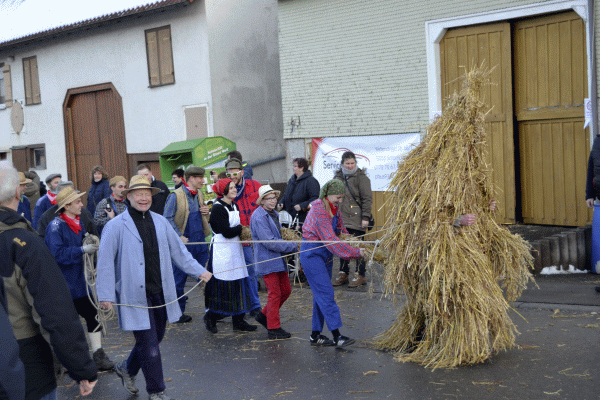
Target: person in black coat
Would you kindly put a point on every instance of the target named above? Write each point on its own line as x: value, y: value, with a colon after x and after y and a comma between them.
x: 302, y: 189
x: 99, y: 190
x: 160, y: 199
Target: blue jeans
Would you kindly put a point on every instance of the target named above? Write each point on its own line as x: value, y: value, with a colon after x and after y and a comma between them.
x: 249, y: 259
x: 50, y: 396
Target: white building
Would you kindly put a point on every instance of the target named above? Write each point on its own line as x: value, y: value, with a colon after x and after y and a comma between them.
x: 116, y: 82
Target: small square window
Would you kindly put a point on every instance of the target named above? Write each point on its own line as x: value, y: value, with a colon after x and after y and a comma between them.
x: 38, y: 158
x: 3, y: 155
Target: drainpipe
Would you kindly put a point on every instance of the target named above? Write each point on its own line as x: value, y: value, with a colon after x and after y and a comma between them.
x: 594, y: 79
x: 268, y: 160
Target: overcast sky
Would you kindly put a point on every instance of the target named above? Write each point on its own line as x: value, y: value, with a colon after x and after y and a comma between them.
x: 23, y: 17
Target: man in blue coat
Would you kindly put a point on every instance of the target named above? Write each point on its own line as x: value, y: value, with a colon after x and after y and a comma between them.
x: 24, y: 207
x: 48, y: 200
x: 137, y: 250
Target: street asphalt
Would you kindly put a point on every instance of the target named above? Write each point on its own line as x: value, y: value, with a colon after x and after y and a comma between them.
x: 557, y: 354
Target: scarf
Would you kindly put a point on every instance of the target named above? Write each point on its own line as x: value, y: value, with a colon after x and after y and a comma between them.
x: 348, y: 172
x: 74, y: 224
x: 192, y: 192
x: 334, y: 186
x: 330, y: 207
x: 51, y: 197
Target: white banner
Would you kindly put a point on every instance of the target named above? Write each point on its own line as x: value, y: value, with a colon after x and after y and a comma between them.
x: 378, y: 154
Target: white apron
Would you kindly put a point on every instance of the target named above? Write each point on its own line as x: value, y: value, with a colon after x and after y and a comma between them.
x: 228, y: 257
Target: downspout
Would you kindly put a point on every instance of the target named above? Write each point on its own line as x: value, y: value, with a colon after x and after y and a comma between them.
x: 594, y: 79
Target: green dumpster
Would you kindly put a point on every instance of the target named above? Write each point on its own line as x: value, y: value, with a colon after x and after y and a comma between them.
x: 209, y: 153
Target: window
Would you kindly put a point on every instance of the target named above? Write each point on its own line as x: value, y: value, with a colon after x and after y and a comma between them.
x: 160, y: 56
x: 32, y: 81
x: 5, y: 87
x: 28, y: 157
x: 3, y: 155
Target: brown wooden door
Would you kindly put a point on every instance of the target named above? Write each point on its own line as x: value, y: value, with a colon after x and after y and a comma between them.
x: 550, y: 87
x: 488, y: 45
x: 95, y: 133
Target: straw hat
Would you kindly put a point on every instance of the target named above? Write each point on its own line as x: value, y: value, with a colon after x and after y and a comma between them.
x: 23, y: 179
x: 265, y: 190
x: 140, y: 182
x: 67, y: 196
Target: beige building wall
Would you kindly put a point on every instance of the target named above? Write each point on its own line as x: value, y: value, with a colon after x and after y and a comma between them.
x: 359, y: 67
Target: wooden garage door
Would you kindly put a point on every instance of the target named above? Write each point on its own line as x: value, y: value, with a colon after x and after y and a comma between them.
x: 487, y: 45
x: 95, y: 133
x: 550, y: 87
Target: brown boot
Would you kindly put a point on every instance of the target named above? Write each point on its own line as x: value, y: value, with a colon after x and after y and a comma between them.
x: 341, y: 279
x: 357, y: 281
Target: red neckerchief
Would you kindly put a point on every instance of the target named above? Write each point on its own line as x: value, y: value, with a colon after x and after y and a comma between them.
x: 334, y: 209
x: 74, y: 224
x: 52, y: 198
x: 117, y: 200
x: 192, y: 192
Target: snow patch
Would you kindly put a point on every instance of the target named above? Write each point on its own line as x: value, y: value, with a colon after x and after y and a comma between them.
x: 554, y: 270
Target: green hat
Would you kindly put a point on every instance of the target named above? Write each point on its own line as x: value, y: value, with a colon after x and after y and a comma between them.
x: 334, y: 186
x: 192, y: 170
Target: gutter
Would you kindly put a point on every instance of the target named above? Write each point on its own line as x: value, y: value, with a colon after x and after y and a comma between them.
x: 594, y: 78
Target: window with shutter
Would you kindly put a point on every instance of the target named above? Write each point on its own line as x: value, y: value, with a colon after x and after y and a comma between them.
x: 31, y: 80
x: 6, y: 87
x: 159, y: 52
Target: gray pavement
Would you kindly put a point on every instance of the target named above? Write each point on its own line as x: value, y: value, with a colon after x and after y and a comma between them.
x: 557, y: 354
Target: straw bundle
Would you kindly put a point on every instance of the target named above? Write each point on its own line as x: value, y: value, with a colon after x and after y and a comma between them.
x: 380, y: 255
x: 246, y: 233
x: 453, y: 278
x: 291, y: 234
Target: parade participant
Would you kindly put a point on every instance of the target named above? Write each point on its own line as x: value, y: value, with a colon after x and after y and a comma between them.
x: 592, y: 191
x: 248, y: 172
x: 323, y: 222
x: 26, y: 267
x: 12, y: 372
x: 301, y: 190
x: 160, y: 198
x: 177, y: 177
x: 228, y: 294
x: 264, y: 225
x: 188, y: 215
x: 247, y: 193
x: 356, y: 211
x: 24, y: 207
x: 48, y: 200
x: 137, y: 250
x: 64, y: 238
x: 32, y: 190
x: 87, y: 219
x: 99, y: 190
x: 113, y: 205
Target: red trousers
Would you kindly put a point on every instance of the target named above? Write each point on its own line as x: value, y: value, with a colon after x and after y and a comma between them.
x: 278, y: 290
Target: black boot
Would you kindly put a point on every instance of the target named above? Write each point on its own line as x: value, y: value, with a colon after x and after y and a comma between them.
x: 211, y: 324
x: 240, y: 325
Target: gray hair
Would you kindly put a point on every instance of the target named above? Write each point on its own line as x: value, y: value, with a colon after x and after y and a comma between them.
x: 9, y: 182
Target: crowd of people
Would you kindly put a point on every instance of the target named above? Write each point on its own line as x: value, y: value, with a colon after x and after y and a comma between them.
x: 150, y: 241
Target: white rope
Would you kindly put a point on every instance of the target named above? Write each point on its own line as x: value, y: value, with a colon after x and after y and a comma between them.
x: 89, y: 271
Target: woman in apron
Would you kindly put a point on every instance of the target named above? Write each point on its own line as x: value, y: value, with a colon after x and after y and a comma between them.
x: 323, y: 223
x: 228, y: 294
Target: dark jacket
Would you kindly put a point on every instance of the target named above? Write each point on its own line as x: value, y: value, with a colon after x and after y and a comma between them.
x: 98, y: 191
x: 12, y: 372
x: 41, y: 206
x: 66, y: 247
x: 25, y: 208
x: 159, y: 199
x: 302, y: 191
x: 36, y: 291
x: 87, y: 221
x: 32, y: 190
x: 356, y: 206
x: 591, y: 190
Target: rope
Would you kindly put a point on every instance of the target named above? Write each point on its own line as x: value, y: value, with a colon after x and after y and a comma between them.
x: 89, y: 271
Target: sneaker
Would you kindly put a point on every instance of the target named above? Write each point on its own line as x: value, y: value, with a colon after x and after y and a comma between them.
x: 261, y: 319
x: 321, y: 340
x: 358, y: 280
x: 279, y: 334
x: 343, y: 341
x: 243, y: 326
x: 211, y: 325
x: 184, y: 319
x: 103, y: 363
x: 160, y: 396
x: 127, y: 379
x: 341, y: 279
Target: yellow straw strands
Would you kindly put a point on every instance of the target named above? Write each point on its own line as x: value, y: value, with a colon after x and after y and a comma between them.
x: 453, y: 277
x: 380, y: 255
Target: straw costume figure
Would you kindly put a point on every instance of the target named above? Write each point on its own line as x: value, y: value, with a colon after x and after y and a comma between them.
x: 453, y: 277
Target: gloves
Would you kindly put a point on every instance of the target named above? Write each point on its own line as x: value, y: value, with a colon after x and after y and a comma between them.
x: 90, y: 248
